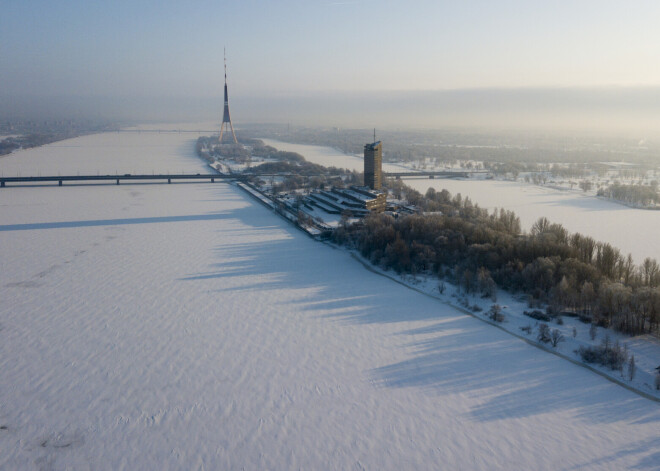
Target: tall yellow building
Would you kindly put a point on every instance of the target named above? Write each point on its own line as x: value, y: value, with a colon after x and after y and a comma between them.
x: 373, y: 165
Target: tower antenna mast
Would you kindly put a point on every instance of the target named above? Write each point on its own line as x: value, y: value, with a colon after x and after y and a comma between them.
x: 226, y: 118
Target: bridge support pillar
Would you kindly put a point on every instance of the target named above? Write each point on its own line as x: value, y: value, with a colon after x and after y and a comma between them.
x: 212, y: 181
x: 59, y: 183
x: 169, y: 180
x: 2, y: 184
x: 118, y: 181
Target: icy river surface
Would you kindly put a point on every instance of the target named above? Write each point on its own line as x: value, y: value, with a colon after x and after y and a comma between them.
x: 186, y: 326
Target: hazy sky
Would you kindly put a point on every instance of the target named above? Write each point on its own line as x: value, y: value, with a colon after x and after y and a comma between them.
x: 282, y: 48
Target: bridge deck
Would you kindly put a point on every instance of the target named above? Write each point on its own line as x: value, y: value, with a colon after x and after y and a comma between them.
x: 212, y: 177
x: 162, y: 178
x: 173, y: 131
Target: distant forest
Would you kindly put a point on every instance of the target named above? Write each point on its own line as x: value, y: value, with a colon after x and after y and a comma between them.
x: 637, y: 195
x: 27, y: 134
x: 571, y: 274
x: 450, y: 145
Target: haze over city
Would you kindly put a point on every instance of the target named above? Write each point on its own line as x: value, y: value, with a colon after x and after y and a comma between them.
x: 570, y: 65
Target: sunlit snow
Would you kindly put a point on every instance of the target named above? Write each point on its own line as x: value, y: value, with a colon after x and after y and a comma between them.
x: 185, y: 326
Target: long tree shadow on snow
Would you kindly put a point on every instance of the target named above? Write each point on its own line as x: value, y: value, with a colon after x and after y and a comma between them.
x: 260, y: 251
x: 515, y: 379
x: 285, y: 264
x: 510, y: 379
x: 647, y: 462
x: 273, y: 255
x: 114, y: 222
x: 452, y: 354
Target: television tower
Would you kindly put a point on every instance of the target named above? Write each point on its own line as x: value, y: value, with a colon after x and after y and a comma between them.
x: 226, y: 119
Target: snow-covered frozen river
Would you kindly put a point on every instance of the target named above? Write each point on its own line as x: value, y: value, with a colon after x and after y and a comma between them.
x: 633, y: 231
x: 328, y: 156
x: 185, y: 326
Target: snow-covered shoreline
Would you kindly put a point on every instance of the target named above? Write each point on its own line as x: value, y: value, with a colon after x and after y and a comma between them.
x: 191, y: 327
x: 646, y: 348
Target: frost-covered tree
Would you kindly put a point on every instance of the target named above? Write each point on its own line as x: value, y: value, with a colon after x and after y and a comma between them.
x: 487, y: 286
x: 495, y: 313
x: 543, y: 333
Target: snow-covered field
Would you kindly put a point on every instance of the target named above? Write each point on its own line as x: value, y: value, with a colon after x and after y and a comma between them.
x: 185, y: 326
x: 631, y: 230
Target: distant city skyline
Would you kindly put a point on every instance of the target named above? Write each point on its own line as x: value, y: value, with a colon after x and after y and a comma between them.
x: 171, y: 51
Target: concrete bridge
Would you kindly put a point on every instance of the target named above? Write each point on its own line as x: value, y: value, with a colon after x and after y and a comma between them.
x: 156, y: 178
x: 211, y: 177
x: 439, y: 174
x: 171, y: 131
x: 397, y: 175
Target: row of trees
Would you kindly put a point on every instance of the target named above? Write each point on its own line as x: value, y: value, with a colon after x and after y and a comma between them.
x: 10, y: 144
x: 479, y: 251
x: 642, y: 195
x: 569, y: 171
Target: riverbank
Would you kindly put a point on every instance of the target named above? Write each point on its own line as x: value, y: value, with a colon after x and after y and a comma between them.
x: 190, y: 324
x: 572, y: 334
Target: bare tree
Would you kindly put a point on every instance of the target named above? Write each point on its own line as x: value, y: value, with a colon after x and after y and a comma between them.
x: 556, y: 337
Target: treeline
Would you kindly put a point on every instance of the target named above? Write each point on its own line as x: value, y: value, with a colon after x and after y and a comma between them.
x: 569, y: 171
x: 299, y: 168
x: 11, y: 144
x: 307, y: 175
x: 571, y: 273
x: 259, y: 149
x: 301, y: 173
x: 209, y: 148
x: 512, y: 168
x: 451, y: 145
x: 30, y: 133
x: 244, y: 151
x: 641, y: 195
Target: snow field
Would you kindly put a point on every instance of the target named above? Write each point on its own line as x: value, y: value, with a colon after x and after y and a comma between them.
x: 185, y: 326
